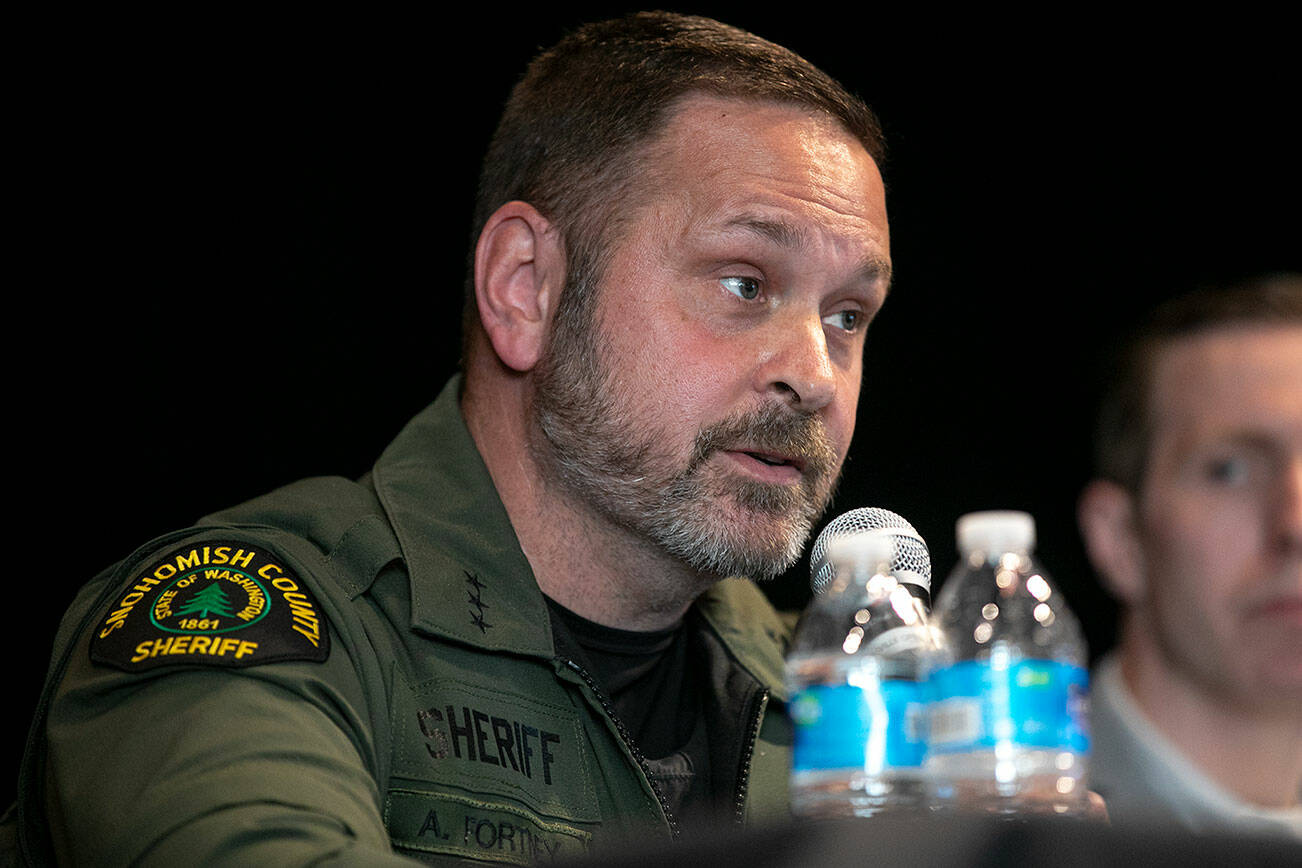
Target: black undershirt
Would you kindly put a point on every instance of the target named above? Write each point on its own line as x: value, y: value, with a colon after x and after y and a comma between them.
x: 656, y: 694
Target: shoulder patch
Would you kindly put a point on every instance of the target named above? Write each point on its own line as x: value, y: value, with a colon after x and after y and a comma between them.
x: 214, y: 603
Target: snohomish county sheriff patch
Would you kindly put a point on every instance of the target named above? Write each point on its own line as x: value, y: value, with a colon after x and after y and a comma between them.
x: 213, y: 603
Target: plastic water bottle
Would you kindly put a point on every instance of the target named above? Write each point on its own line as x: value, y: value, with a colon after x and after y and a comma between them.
x: 1010, y: 690
x: 855, y: 674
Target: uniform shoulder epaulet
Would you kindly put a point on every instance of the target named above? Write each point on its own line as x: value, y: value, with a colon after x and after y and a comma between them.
x: 342, y: 520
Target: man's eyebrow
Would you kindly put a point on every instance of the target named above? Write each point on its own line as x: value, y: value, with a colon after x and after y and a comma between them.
x: 877, y: 269
x: 780, y: 232
x: 874, y: 268
x: 1246, y: 438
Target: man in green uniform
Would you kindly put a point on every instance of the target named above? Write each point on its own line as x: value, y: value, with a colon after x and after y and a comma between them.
x: 516, y: 639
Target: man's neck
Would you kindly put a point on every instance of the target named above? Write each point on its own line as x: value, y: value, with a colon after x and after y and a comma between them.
x: 583, y: 561
x: 598, y: 570
x: 1252, y: 752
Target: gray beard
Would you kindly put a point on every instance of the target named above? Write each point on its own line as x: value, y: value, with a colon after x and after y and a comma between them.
x: 595, y: 449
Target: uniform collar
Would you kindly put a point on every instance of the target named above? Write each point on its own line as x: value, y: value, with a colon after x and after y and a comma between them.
x: 470, y: 582
x: 749, y: 627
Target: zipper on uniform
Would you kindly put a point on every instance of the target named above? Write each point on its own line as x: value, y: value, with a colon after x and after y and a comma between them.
x: 748, y: 755
x: 609, y: 708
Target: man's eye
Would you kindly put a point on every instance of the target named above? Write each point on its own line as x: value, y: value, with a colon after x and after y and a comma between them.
x: 846, y: 320
x: 742, y: 287
x: 1229, y: 470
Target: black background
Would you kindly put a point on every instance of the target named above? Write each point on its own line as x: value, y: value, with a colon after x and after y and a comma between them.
x: 241, y: 247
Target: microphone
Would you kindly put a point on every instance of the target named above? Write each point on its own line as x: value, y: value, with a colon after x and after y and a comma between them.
x: 912, y: 561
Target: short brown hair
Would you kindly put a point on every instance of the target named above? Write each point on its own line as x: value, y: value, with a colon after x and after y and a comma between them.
x: 568, y: 139
x: 1123, y: 427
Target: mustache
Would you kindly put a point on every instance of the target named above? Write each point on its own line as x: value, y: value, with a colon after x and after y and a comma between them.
x: 773, y: 428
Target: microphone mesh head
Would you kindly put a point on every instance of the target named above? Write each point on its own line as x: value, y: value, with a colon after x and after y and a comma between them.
x: 911, y: 555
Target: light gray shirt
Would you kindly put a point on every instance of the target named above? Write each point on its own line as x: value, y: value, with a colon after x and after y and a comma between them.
x: 1147, y: 781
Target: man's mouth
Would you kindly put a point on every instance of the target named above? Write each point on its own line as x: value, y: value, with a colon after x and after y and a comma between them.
x: 1283, y: 607
x: 773, y: 446
x: 775, y: 460
x: 773, y: 467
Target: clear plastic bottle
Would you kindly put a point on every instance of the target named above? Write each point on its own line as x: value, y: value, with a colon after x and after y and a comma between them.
x: 855, y: 674
x: 1010, y: 691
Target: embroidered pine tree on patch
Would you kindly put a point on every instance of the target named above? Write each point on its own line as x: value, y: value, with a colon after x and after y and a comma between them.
x: 211, y: 599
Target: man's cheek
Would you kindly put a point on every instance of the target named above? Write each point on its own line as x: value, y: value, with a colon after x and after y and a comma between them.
x: 842, y: 443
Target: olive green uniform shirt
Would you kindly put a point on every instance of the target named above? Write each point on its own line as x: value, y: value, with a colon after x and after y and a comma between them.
x: 392, y: 688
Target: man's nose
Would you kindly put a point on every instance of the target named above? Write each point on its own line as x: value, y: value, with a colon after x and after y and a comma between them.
x: 799, y: 366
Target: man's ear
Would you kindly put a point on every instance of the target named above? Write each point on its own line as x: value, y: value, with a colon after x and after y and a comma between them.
x: 519, y: 274
x: 1108, y: 516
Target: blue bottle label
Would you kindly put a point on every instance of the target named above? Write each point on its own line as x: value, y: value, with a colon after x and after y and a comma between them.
x: 872, y: 727
x: 1030, y: 703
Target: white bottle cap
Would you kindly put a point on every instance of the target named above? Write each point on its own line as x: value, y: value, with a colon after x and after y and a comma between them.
x: 863, y: 551
x: 996, y: 531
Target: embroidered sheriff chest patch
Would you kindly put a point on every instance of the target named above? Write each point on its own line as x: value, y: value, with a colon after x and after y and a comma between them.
x: 213, y: 603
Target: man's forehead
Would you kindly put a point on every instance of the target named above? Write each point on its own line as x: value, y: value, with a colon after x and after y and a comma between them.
x: 776, y: 169
x: 699, y: 122
x: 1221, y: 356
x: 703, y: 103
x: 1237, y: 376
